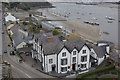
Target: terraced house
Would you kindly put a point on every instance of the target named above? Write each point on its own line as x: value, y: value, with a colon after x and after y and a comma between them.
x: 65, y: 56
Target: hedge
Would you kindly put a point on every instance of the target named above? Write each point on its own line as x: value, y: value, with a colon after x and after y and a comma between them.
x: 95, y: 72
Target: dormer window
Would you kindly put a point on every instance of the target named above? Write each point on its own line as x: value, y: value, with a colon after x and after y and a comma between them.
x: 84, y: 51
x: 63, y: 54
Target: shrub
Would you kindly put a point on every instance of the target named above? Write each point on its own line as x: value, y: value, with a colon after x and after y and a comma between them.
x: 30, y: 27
x: 55, y: 32
x: 96, y: 71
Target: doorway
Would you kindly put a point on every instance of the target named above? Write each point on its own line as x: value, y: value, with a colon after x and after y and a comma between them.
x: 73, y: 67
x: 53, y: 68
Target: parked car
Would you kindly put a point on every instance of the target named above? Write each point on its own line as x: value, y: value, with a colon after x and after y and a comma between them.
x: 2, y: 32
x: 5, y: 51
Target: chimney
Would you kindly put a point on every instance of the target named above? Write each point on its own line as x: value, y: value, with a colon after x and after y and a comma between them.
x: 49, y: 38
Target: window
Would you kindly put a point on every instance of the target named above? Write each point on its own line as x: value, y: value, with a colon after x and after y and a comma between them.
x: 84, y: 51
x: 83, y: 65
x: 74, y: 52
x: 68, y: 67
x: 74, y: 59
x: 50, y: 61
x: 84, y: 58
x: 63, y: 54
x: 63, y: 61
x: 63, y: 69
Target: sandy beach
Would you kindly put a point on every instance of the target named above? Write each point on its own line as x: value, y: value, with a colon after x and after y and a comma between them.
x: 88, y: 32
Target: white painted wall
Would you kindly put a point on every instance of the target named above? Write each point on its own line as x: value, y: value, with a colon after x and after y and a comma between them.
x: 86, y: 54
x: 60, y: 57
x: 100, y: 60
x: 101, y: 44
x: 76, y: 59
x: 108, y: 49
x: 49, y: 66
x: 93, y: 54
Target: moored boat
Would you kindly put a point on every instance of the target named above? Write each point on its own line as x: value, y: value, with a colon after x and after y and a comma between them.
x: 96, y: 23
x: 110, y: 21
x: 78, y: 18
x: 106, y: 32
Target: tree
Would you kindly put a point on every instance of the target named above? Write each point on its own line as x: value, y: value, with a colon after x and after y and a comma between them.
x: 55, y: 32
x: 30, y: 27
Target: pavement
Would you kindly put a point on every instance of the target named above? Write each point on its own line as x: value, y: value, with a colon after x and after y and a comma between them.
x: 0, y: 44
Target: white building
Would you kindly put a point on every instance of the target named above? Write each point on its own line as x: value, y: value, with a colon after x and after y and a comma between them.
x: 10, y: 17
x: 62, y: 57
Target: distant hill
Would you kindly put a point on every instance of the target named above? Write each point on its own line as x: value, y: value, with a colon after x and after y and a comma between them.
x: 27, y: 5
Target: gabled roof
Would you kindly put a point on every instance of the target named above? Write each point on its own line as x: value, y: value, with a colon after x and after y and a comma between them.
x: 56, y: 47
x: 76, y: 43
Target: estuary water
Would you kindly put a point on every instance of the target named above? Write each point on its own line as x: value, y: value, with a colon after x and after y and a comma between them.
x: 92, y: 13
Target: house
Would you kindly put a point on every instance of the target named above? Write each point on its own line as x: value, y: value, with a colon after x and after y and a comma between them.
x: 65, y: 56
x: 19, y: 39
x: 106, y: 45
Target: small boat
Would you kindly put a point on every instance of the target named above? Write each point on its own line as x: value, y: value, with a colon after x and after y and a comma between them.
x: 96, y: 23
x: 86, y: 22
x: 94, y: 18
x: 110, y: 18
x: 110, y: 21
x: 106, y: 17
x: 106, y: 33
x: 92, y: 23
x: 78, y: 18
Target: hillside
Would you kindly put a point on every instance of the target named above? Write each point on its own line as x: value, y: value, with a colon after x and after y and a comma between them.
x: 27, y: 5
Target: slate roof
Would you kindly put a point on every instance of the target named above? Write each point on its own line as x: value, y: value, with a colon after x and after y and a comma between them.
x: 52, y: 48
x: 104, y: 49
x: 42, y: 38
x: 76, y: 43
x: 55, y: 47
x: 18, y: 36
x: 99, y: 51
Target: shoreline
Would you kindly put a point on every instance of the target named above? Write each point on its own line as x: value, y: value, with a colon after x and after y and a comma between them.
x: 88, y: 32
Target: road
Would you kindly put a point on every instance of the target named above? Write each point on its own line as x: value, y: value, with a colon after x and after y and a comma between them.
x: 19, y: 70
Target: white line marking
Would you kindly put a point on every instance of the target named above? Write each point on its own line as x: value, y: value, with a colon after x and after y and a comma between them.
x: 22, y: 71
